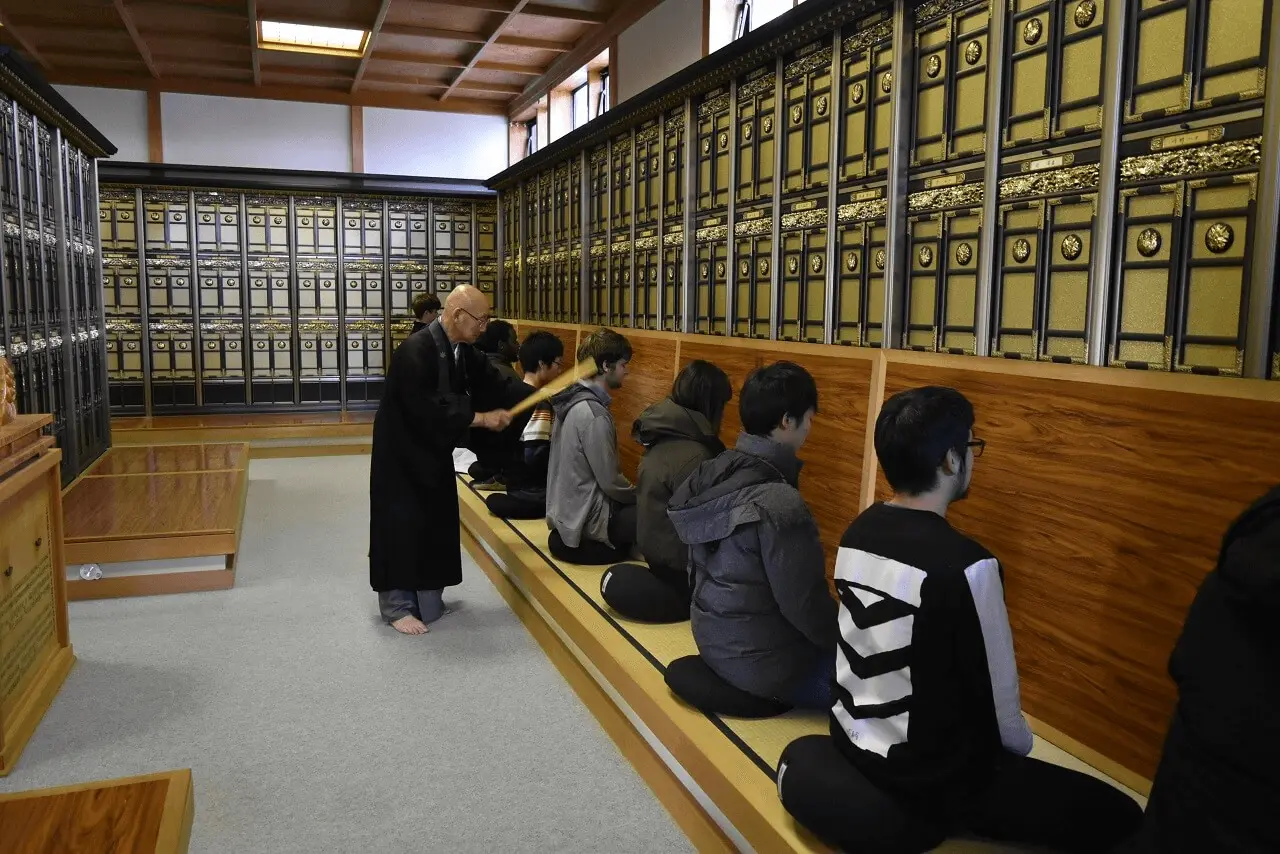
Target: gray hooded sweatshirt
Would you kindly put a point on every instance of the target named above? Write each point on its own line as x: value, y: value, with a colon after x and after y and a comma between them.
x: 762, y: 615
x: 584, y: 483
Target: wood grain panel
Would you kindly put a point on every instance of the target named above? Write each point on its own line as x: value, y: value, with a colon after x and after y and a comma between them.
x: 567, y: 335
x: 1106, y: 505
x: 832, y: 478
x: 648, y: 380
x: 142, y: 459
x: 153, y: 505
x: 135, y: 815
x: 737, y: 362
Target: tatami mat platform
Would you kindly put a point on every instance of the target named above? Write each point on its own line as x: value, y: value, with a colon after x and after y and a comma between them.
x: 729, y: 761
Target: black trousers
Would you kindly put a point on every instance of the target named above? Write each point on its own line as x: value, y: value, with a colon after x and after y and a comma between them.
x: 1026, y: 802
x: 654, y: 594
x: 622, y: 533
x: 509, y: 505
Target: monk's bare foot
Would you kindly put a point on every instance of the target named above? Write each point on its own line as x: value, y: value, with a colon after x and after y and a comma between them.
x: 410, y: 625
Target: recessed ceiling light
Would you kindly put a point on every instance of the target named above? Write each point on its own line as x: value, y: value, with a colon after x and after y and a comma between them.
x: 305, y: 38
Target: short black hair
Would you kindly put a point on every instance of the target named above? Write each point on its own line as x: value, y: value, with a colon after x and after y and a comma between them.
x: 773, y: 392
x: 423, y: 303
x: 540, y: 348
x: 704, y: 388
x: 497, y: 333
x: 914, y: 431
x: 606, y: 347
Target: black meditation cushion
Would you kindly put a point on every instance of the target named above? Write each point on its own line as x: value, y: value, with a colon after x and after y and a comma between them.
x: 691, y: 680
x: 590, y: 553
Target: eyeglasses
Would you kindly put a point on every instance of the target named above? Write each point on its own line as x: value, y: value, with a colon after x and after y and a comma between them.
x: 978, y: 445
x: 483, y: 321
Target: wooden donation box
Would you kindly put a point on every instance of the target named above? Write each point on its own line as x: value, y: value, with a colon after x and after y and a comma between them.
x: 35, y: 652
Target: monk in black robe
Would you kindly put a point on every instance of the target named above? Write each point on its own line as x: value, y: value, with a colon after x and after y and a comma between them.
x: 425, y: 412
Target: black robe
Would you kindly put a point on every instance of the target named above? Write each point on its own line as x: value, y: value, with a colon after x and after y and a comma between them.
x: 414, y: 542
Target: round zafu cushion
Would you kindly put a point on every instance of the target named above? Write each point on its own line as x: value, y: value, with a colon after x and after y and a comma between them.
x: 691, y: 680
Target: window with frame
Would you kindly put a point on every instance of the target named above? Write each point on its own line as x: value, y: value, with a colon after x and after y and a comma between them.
x: 581, y: 106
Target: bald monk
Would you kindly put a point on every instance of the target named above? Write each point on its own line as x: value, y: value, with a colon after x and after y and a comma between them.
x: 425, y: 412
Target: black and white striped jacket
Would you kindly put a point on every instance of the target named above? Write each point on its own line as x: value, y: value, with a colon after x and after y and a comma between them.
x: 926, y: 682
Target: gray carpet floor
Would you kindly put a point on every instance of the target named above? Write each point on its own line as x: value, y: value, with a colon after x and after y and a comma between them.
x: 311, y: 727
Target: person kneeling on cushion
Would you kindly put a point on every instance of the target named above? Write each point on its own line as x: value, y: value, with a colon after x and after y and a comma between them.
x: 761, y: 614
x: 679, y: 433
x: 542, y: 358
x: 591, y: 506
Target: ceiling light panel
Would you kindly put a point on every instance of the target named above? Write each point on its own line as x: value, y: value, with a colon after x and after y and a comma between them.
x: 277, y: 35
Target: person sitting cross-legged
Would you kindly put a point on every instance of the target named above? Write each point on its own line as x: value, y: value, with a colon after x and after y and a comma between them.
x: 928, y: 739
x: 678, y: 433
x: 542, y: 358
x: 591, y: 506
x: 761, y: 614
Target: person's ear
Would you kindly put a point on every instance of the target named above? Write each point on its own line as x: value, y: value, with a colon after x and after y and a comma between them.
x: 950, y: 463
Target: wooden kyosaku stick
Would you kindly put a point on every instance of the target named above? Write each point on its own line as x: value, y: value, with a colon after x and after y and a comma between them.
x: 585, y: 368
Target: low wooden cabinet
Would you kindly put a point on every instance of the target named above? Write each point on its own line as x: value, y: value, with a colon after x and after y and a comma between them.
x: 35, y: 650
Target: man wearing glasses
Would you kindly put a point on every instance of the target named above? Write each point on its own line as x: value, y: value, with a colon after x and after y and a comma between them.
x: 425, y: 412
x: 928, y: 739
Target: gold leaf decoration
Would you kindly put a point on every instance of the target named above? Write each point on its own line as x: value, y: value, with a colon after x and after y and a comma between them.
x: 1149, y: 242
x: 1219, y: 238
x: 1222, y: 157
x: 1071, y: 247
x: 1048, y: 183
x: 1021, y: 250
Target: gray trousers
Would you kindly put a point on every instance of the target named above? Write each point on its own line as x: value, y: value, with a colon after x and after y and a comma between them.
x: 426, y: 605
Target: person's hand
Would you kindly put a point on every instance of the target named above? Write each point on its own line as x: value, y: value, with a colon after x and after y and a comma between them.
x: 496, y: 420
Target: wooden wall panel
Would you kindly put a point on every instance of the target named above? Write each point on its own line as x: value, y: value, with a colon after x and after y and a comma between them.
x: 832, y: 477
x: 568, y: 336
x: 735, y: 361
x: 1106, y: 505
x: 648, y: 380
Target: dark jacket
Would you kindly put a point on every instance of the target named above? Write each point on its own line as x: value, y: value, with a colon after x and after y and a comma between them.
x: 1218, y: 785
x: 504, y: 367
x: 676, y: 441
x: 761, y: 612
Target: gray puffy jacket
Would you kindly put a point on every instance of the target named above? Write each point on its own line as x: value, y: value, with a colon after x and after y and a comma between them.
x: 761, y: 614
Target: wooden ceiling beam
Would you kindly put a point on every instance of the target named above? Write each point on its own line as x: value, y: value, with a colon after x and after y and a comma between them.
x: 237, y: 89
x: 493, y: 37
x: 254, y: 53
x: 127, y: 17
x: 540, y: 10
x: 560, y: 14
x: 369, y: 42
x: 432, y: 33
x: 22, y: 40
x: 472, y: 38
x: 538, y: 44
x: 187, y: 8
x: 587, y: 48
x: 453, y: 62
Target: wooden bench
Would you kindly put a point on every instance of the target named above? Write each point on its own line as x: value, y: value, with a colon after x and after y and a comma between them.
x: 151, y: 814
x: 715, y: 774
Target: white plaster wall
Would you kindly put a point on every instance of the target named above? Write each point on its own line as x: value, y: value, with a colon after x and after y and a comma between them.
x: 121, y: 115
x: 435, y: 145
x: 209, y: 130
x: 658, y: 45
